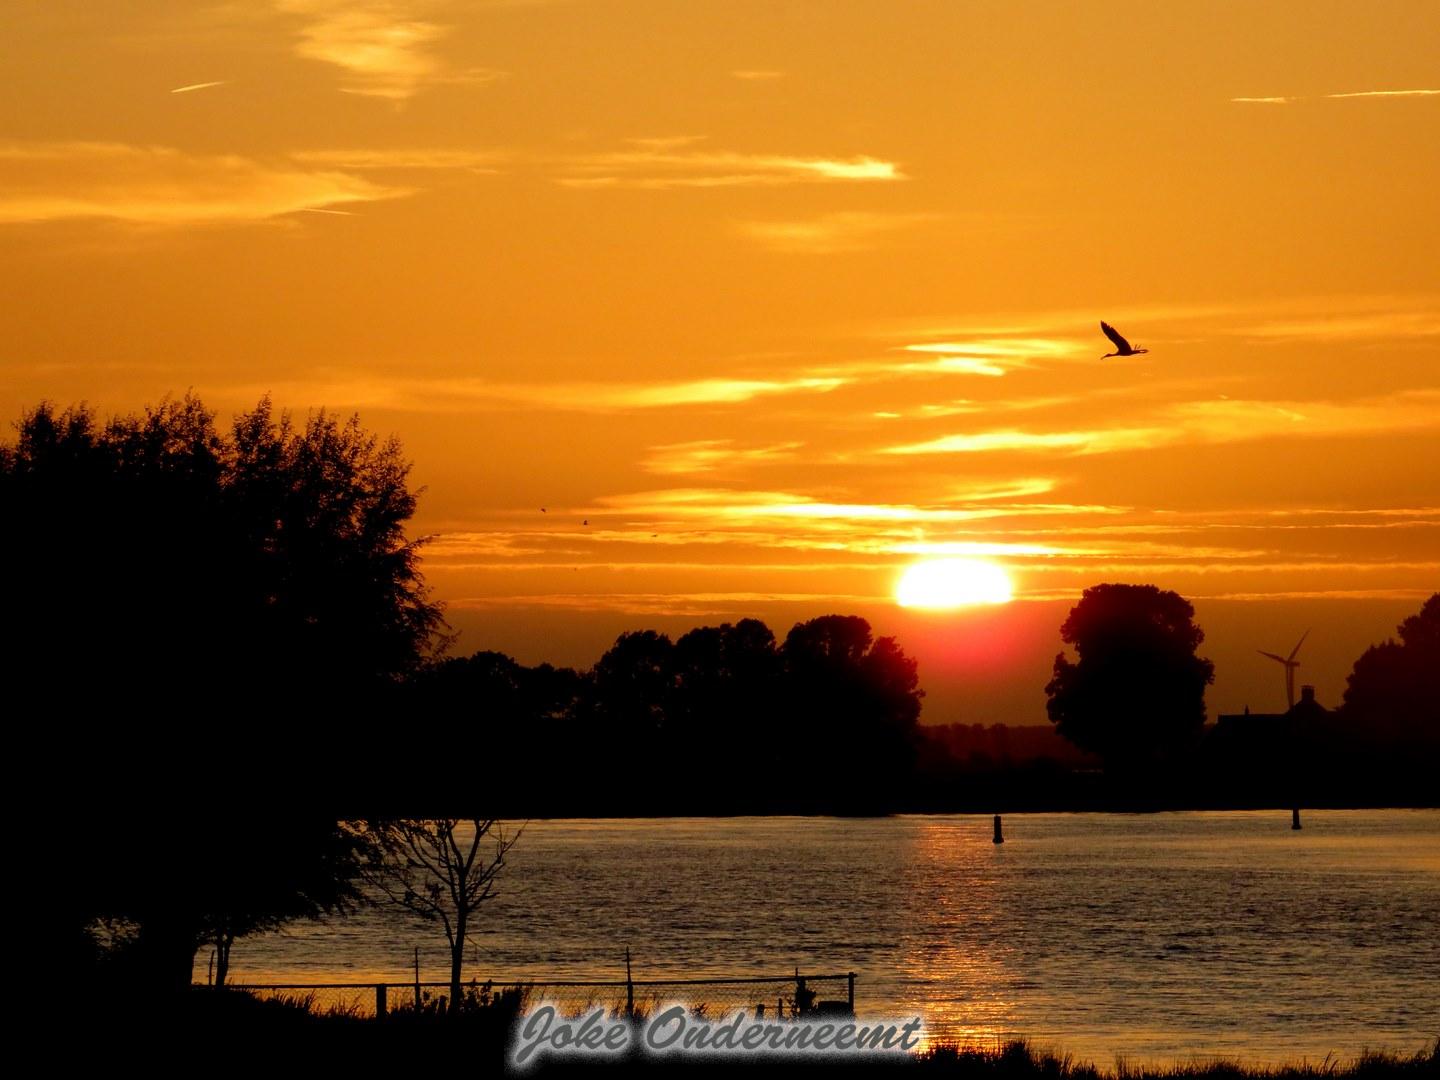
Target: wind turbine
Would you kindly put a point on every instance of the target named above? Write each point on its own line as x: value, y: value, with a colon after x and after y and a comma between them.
x: 1290, y: 665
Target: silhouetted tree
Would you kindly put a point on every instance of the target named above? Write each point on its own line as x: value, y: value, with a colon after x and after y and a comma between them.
x: 209, y: 616
x: 633, y: 688
x: 268, y: 564
x: 852, y: 703
x: 1137, y: 692
x: 725, y: 676
x: 1393, y: 693
x: 183, y: 881
x: 492, y: 708
x: 440, y: 871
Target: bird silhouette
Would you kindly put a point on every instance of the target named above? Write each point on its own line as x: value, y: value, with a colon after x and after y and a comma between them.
x: 1123, y: 347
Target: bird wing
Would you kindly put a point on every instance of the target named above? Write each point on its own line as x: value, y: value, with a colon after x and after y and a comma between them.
x: 1298, y: 644
x: 1114, y: 335
x: 1271, y: 655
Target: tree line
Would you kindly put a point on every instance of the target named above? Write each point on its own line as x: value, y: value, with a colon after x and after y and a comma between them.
x: 221, y: 653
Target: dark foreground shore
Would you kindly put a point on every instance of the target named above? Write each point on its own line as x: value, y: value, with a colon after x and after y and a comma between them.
x: 231, y: 1033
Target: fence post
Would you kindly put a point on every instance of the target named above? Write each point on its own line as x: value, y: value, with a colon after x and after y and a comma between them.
x: 417, y: 979
x: 629, y: 987
x: 380, y: 989
x: 850, y: 995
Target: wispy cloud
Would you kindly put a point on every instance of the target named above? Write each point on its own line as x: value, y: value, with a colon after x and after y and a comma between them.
x: 196, y: 86
x: 696, y: 605
x: 750, y: 508
x: 163, y: 186
x: 756, y: 75
x: 1014, y: 439
x: 402, y: 159
x: 1377, y: 326
x: 831, y: 233
x: 714, y: 456
x: 1386, y: 94
x: 657, y: 167
x: 1208, y: 422
x: 464, y: 394
x: 386, y: 47
x: 1335, y: 97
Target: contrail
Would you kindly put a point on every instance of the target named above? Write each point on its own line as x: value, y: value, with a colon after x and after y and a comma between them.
x: 318, y: 210
x: 196, y: 86
x: 1387, y: 93
x: 1354, y: 94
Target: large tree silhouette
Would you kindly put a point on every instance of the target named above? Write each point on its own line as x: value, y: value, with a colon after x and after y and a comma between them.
x: 1136, y: 694
x: 205, y: 623
x: 262, y: 569
x: 1393, y: 693
x: 852, y: 702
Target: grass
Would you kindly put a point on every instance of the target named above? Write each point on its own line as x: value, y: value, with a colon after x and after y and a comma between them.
x: 1019, y: 1059
x: 259, y: 1037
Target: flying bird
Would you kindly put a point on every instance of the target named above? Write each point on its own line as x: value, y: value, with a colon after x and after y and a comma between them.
x: 1124, y: 347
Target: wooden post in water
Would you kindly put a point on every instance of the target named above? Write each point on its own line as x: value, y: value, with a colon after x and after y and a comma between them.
x: 1295, y: 818
x: 417, y: 978
x: 999, y: 836
x: 850, y: 994
x: 629, y: 987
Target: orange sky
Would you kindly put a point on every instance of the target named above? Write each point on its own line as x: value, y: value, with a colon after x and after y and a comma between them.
x: 780, y: 297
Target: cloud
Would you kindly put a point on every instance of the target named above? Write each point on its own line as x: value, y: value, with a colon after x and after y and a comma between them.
x: 162, y: 186
x: 196, y: 86
x: 463, y: 394
x: 656, y: 167
x: 694, y: 604
x: 1012, y: 439
x: 1078, y: 325
x: 714, y: 456
x: 385, y: 46
x: 1209, y: 422
x: 830, y: 233
x: 364, y: 159
x: 1365, y: 326
x: 752, y: 75
x: 1336, y: 97
x: 747, y: 509
x: 1386, y: 94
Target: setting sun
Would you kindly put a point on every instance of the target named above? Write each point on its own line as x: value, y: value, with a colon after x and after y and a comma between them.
x: 950, y: 583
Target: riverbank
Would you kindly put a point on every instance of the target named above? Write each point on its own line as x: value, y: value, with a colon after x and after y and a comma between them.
x: 232, y: 1033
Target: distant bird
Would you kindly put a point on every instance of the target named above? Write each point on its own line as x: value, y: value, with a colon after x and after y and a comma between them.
x: 542, y: 509
x: 585, y: 522
x: 1290, y: 665
x: 1124, y: 347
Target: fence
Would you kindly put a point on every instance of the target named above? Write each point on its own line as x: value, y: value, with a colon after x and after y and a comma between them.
x: 780, y: 997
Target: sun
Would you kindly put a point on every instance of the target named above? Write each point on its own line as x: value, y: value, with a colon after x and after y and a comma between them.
x: 952, y: 583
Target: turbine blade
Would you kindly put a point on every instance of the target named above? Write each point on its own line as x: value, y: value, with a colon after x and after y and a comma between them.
x: 1271, y: 655
x: 1298, y: 644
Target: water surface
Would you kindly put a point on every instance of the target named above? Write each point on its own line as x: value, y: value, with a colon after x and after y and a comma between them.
x: 1153, y: 937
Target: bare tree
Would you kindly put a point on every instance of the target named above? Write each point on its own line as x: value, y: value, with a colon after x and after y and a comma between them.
x: 440, y: 870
